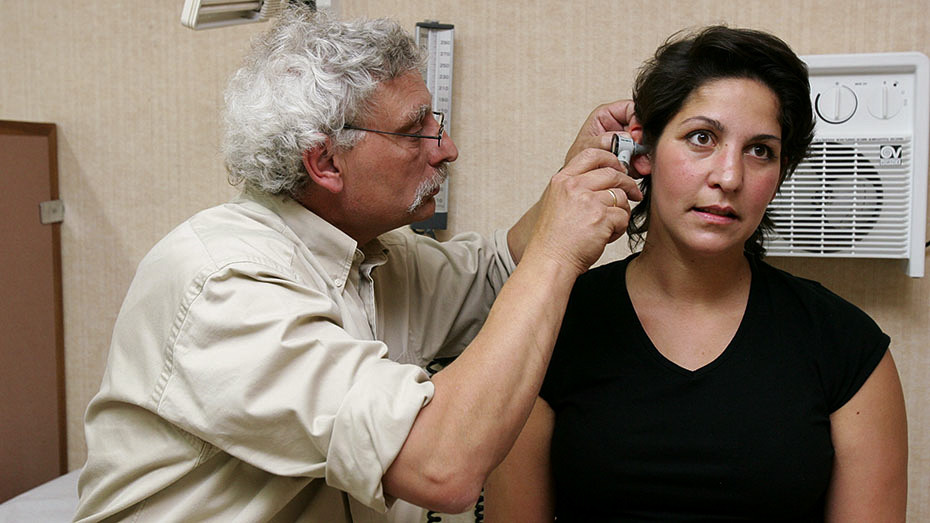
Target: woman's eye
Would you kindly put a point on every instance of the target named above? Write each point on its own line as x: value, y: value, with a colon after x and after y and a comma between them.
x: 762, y: 151
x: 702, y: 138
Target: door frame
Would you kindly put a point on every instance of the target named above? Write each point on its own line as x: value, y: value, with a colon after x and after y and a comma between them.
x: 49, y: 132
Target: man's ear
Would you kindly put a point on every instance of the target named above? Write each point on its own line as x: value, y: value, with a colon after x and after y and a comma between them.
x: 322, y: 168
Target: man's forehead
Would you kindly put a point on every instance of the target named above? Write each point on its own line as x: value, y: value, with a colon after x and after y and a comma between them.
x: 402, y: 99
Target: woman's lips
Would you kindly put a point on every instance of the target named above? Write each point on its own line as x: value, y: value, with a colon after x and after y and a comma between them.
x: 717, y: 213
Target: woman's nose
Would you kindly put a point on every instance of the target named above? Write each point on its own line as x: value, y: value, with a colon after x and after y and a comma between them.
x: 728, y: 171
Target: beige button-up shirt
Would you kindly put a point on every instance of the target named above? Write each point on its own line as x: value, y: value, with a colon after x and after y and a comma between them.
x: 264, y: 368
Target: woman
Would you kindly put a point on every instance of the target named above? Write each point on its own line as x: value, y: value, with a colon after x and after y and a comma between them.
x: 692, y: 380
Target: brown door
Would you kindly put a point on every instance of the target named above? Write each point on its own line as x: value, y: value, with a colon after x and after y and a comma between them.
x: 32, y: 415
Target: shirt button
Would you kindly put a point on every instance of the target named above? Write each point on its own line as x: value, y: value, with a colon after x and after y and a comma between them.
x: 338, y: 282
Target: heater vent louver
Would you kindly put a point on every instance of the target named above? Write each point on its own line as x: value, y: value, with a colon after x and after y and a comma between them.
x: 844, y: 200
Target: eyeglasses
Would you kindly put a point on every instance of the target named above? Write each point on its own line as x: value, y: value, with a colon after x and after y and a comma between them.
x: 440, y: 116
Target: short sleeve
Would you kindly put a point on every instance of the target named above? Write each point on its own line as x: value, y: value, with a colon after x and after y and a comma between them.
x: 853, y: 345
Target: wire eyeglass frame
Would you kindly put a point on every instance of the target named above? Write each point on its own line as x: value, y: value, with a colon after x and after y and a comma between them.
x: 442, y: 128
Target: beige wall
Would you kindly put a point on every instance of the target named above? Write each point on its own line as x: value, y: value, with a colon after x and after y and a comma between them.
x: 136, y: 98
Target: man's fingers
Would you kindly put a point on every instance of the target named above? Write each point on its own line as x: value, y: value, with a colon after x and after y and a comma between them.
x: 613, y: 178
x: 592, y: 158
x: 614, y: 116
x: 605, y: 119
x: 613, y: 196
x: 630, y: 188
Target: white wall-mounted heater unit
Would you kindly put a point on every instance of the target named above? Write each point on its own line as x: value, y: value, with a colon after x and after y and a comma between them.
x: 862, y: 191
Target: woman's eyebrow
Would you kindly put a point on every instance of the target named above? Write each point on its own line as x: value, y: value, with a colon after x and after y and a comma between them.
x: 715, y: 124
x: 719, y: 127
x: 766, y: 137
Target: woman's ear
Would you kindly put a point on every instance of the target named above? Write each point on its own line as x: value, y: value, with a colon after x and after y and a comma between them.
x: 322, y: 168
x: 643, y: 164
x: 636, y: 130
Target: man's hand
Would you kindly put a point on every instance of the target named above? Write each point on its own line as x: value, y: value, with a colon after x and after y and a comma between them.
x: 596, y: 134
x: 600, y: 126
x: 585, y: 207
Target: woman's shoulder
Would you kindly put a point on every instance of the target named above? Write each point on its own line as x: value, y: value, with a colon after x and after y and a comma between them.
x: 595, y: 319
x: 799, y: 288
x: 846, y: 344
x: 611, y: 273
x: 795, y: 298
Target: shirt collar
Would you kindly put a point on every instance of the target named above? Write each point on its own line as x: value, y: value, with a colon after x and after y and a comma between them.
x: 335, y: 250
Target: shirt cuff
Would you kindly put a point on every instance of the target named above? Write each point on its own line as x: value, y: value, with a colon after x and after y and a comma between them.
x: 503, y: 250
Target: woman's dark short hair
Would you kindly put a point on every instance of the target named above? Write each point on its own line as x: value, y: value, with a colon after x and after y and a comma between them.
x: 686, y: 62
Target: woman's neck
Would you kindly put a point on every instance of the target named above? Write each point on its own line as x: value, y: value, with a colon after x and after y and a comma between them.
x: 669, y: 274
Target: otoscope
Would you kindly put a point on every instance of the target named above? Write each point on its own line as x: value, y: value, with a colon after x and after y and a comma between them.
x: 625, y: 148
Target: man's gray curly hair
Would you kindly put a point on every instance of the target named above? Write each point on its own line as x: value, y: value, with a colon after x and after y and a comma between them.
x: 304, y: 79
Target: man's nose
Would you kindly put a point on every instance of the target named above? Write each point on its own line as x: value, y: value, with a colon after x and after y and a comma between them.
x: 447, y: 151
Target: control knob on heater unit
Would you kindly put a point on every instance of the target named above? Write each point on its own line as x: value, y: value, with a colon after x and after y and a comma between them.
x: 837, y: 104
x: 886, y: 100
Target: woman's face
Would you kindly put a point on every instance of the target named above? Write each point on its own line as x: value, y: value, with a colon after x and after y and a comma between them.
x: 715, y: 169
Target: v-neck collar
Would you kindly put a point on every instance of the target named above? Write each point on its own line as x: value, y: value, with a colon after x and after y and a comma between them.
x: 735, y: 344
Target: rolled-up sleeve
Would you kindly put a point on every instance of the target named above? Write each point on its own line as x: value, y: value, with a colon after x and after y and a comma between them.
x: 372, y: 425
x: 260, y: 366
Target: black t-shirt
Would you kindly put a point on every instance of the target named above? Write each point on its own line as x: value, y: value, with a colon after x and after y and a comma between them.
x: 747, y: 437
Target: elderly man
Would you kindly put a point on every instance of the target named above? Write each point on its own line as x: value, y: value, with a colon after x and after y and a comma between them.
x: 267, y: 361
